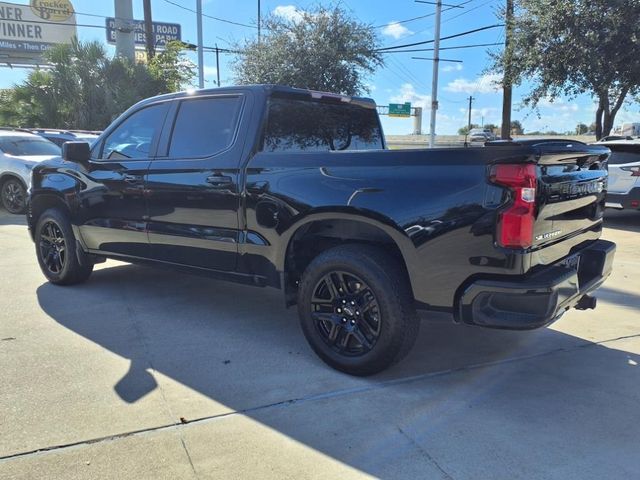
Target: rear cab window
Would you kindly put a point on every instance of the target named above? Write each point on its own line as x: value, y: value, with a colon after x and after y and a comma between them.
x: 317, y: 125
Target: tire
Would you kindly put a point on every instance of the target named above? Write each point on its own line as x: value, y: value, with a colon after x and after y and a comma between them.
x: 56, y: 250
x: 374, y: 311
x: 14, y: 195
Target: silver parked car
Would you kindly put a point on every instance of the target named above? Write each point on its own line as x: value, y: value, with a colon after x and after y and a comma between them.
x: 19, y: 152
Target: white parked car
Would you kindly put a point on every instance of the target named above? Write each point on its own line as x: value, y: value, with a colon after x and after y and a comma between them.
x: 624, y: 174
x: 19, y: 152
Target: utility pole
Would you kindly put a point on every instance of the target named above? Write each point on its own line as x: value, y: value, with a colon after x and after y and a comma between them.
x: 218, y: 64
x: 471, y: 99
x: 259, y: 21
x: 434, y: 81
x: 124, y: 29
x: 148, y: 30
x: 200, y: 51
x: 507, y: 91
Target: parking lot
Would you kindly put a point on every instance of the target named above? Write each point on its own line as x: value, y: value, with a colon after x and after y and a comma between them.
x: 147, y: 374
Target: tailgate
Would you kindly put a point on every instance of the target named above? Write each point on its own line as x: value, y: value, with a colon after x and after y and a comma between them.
x: 565, y: 209
x: 572, y: 184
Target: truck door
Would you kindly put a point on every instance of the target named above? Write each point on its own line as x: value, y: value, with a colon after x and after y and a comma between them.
x: 192, y: 186
x: 114, y: 211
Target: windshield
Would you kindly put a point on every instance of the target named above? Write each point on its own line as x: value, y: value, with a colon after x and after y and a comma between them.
x: 22, y: 146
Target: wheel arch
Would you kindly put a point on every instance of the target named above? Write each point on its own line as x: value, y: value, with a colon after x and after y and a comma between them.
x: 318, y: 232
x: 40, y: 203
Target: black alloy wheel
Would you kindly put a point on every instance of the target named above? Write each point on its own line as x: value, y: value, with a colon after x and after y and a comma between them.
x: 53, y: 247
x: 14, y: 196
x: 356, y: 308
x: 56, y: 249
x: 346, y: 313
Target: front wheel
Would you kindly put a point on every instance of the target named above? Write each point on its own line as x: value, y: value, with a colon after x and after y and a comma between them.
x: 56, y: 250
x: 14, y: 196
x: 356, y: 309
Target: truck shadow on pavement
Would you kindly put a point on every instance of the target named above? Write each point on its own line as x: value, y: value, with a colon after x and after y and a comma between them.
x: 477, y: 389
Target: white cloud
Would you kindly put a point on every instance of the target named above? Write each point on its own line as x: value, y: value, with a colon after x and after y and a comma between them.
x: 487, y: 83
x: 396, y: 30
x: 210, y: 71
x: 558, y: 105
x: 290, y: 12
x: 408, y: 93
x: 456, y: 67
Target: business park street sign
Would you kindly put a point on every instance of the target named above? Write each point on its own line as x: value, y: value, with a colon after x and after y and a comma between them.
x: 163, y: 33
x: 27, y: 31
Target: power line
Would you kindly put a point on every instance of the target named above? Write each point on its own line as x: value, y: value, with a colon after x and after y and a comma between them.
x: 446, y: 48
x: 385, y: 49
x: 422, y: 16
x: 210, y: 16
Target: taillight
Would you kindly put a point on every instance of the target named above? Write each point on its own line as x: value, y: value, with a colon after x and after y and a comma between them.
x: 515, y: 224
x: 635, y: 171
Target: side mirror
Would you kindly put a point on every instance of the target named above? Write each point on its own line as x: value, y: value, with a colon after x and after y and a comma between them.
x: 77, y: 152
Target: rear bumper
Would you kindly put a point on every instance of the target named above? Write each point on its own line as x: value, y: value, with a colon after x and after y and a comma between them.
x: 539, y: 299
x: 631, y: 199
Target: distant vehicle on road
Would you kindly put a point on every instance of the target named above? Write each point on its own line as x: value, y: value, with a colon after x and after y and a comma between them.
x: 481, y: 135
x: 60, y: 136
x: 610, y: 138
x: 294, y: 189
x: 20, y: 151
x: 624, y: 174
x: 630, y: 129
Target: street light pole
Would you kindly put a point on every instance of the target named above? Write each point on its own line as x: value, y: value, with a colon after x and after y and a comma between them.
x: 434, y: 81
x: 200, y: 52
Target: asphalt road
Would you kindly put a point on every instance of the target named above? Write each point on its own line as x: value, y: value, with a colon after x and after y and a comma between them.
x: 148, y: 374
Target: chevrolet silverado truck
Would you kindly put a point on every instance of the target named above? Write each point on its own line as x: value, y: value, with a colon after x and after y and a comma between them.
x: 294, y: 189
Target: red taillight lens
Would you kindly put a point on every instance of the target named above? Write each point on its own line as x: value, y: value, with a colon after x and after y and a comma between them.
x: 635, y: 171
x: 515, y: 224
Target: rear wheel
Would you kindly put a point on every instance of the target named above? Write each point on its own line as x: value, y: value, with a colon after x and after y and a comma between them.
x: 356, y: 309
x: 14, y: 195
x: 56, y: 250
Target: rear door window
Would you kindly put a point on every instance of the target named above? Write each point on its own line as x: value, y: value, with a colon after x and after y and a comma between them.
x: 621, y: 154
x: 205, y: 126
x: 313, y: 126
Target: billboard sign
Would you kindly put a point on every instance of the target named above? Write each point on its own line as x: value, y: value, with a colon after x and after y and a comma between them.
x: 26, y: 31
x: 162, y: 33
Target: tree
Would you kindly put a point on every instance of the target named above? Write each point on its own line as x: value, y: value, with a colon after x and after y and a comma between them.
x: 516, y: 127
x: 86, y: 89
x: 567, y: 48
x: 581, y: 129
x: 465, y: 130
x: 323, y: 49
x: 490, y: 126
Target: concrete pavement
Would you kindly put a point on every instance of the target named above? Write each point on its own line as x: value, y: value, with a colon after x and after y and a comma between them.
x: 144, y: 373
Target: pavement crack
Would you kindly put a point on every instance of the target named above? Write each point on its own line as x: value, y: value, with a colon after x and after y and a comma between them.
x: 186, y: 451
x: 422, y: 450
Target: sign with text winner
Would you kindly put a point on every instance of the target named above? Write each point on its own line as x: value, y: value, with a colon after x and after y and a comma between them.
x: 26, y: 31
x: 163, y: 33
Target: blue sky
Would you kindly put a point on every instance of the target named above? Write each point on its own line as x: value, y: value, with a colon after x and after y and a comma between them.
x: 402, y: 79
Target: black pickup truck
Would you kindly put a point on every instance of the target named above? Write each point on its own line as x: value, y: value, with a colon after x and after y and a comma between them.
x: 294, y: 189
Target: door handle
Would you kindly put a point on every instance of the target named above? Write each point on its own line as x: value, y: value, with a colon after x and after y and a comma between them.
x: 218, y: 180
x: 127, y: 177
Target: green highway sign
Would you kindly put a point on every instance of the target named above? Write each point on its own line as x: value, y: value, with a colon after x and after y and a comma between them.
x: 400, y: 109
